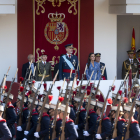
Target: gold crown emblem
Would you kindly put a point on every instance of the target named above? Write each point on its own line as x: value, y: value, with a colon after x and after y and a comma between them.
x: 55, y: 17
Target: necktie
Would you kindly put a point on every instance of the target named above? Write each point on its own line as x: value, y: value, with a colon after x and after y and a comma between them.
x: 44, y: 63
x: 32, y: 67
x: 131, y: 61
x: 69, y: 55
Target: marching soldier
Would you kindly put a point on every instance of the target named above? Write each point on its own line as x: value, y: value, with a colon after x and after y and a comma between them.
x: 20, y: 129
x: 5, y: 133
x: 68, y: 62
x: 134, y: 65
x: 29, y: 135
x: 97, y: 59
x: 43, y: 66
x: 81, y: 121
x: 11, y: 116
x: 45, y: 122
x: 70, y: 131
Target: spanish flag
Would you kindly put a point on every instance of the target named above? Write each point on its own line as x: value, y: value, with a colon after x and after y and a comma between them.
x: 133, y: 47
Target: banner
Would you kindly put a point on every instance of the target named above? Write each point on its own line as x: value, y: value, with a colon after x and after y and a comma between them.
x: 56, y: 24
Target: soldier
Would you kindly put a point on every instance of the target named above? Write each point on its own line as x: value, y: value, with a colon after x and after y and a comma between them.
x: 81, y: 121
x: 5, y: 133
x: 106, y: 128
x: 70, y: 131
x: 45, y: 122
x: 67, y: 62
x: 94, y: 111
x: 137, y: 109
x: 122, y: 126
x: 43, y: 66
x: 97, y: 59
x: 11, y: 116
x: 138, y: 59
x: 29, y: 135
x: 134, y: 65
x: 20, y: 129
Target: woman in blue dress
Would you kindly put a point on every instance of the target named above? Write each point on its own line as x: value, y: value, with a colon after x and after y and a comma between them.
x: 92, y: 65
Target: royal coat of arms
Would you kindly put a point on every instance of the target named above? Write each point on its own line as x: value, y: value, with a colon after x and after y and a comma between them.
x: 56, y: 31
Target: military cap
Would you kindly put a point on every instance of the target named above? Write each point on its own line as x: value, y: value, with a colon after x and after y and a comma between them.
x: 135, y: 82
x: 11, y: 96
x: 128, y: 108
x: 20, y: 98
x: 130, y: 51
x: 69, y: 46
x: 44, y: 53
x: 52, y: 106
x: 98, y: 54
x: 138, y: 50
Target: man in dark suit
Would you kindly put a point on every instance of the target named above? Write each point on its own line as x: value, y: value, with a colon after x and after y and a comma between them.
x: 97, y: 59
x: 67, y: 62
x: 130, y: 62
x: 26, y: 65
x: 43, y: 67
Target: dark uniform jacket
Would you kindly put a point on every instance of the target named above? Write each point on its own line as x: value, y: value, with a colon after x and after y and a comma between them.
x: 92, y: 124
x: 136, y: 115
x: 101, y: 67
x: 134, y: 130
x: 5, y: 133
x: 20, y: 134
x: 24, y: 69
x: 11, y: 118
x: 41, y: 68
x: 121, y: 129
x: 45, y: 129
x: 134, y: 66
x: 81, y: 123
x: 106, y: 128
x: 32, y: 130
x: 70, y: 131
x: 64, y: 69
x: 57, y: 128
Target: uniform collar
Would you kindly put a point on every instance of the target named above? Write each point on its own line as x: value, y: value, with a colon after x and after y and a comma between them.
x: 44, y: 62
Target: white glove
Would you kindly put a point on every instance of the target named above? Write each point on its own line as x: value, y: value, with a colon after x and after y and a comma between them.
x: 60, y: 80
x: 76, y: 126
x: 112, y: 139
x: 98, y: 136
x: 85, y: 133
x: 19, y: 128
x: 26, y: 132
x: 36, y: 134
x: 24, y: 139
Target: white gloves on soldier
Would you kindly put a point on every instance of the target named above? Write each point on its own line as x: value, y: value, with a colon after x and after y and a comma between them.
x: 76, y: 126
x: 24, y: 139
x: 112, y: 139
x: 26, y: 132
x: 36, y: 134
x: 19, y: 128
x: 98, y: 136
x: 85, y: 133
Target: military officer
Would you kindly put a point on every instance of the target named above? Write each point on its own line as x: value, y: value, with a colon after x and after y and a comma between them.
x: 97, y: 59
x: 134, y: 65
x: 138, y: 51
x: 43, y: 67
x: 68, y: 62
x: 5, y: 133
x: 11, y: 116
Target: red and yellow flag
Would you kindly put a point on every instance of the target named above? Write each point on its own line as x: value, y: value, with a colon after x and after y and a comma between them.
x: 133, y: 47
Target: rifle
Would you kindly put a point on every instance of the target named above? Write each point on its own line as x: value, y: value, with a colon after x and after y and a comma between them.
x: 64, y: 118
x: 55, y: 114
x: 122, y: 83
x: 81, y: 101
x: 79, y: 92
x: 100, y: 122
x: 130, y: 115
x: 4, y: 78
x: 99, y: 81
x: 89, y: 100
x: 9, y: 91
x: 32, y: 106
x: 45, y: 101
x: 116, y: 117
